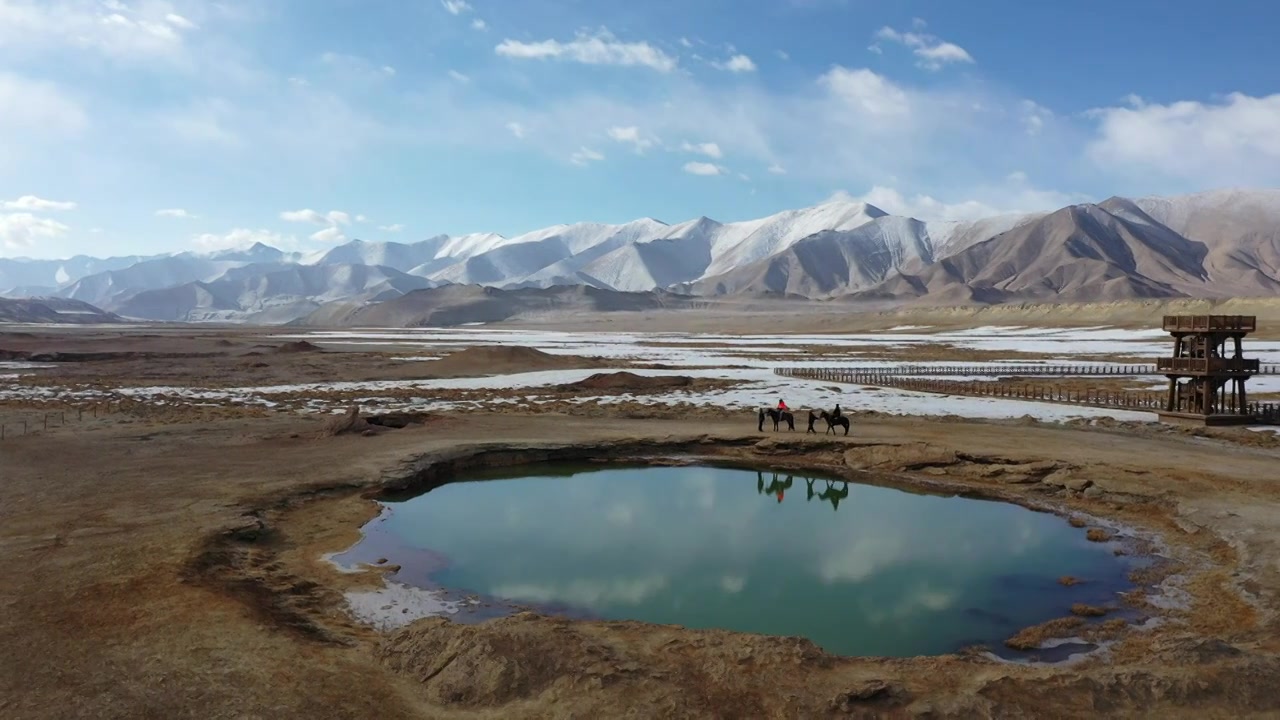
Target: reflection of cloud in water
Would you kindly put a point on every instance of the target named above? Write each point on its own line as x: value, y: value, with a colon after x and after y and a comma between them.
x: 586, y: 592
x: 702, y: 484
x: 861, y: 559
x: 922, y: 600
x: 621, y: 515
x: 733, y: 584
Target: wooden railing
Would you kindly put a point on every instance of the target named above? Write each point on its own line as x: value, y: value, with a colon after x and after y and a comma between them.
x: 993, y: 371
x: 1207, y: 365
x: 1139, y: 401
x: 1209, y: 323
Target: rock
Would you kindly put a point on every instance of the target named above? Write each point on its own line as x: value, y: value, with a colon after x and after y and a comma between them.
x: 867, y: 691
x: 1200, y: 651
x: 1078, y: 484
x: 1084, y: 610
x: 1093, y: 492
x: 1016, y: 479
x: 1057, y: 478
x: 908, y: 456
x: 1098, y: 535
x: 1186, y: 525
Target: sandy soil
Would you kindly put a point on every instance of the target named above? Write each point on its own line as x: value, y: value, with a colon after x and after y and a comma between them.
x: 168, y: 565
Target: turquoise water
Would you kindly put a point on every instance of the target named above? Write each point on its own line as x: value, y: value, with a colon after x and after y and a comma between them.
x: 858, y: 569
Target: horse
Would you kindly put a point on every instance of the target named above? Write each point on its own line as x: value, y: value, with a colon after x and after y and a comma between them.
x: 777, y: 416
x: 833, y: 422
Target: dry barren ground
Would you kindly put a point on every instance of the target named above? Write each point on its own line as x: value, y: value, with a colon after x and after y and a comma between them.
x: 168, y: 565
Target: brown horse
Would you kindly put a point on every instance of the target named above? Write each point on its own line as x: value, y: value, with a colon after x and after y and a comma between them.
x: 833, y: 422
x: 777, y: 416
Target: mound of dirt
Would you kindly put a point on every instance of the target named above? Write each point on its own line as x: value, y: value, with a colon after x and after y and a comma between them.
x: 297, y: 347
x: 347, y: 423
x: 627, y: 382
x: 503, y: 359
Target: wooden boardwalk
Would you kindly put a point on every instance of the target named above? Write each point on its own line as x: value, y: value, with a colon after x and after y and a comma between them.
x: 1045, y: 391
x: 1003, y: 370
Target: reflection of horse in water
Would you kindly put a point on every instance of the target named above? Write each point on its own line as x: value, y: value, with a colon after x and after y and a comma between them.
x: 835, y: 492
x: 833, y: 421
x: 777, y: 416
x: 775, y: 487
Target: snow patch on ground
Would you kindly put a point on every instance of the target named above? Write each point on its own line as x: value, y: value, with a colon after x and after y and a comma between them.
x: 396, y: 605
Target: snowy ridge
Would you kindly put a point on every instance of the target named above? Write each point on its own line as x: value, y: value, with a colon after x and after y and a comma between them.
x: 1223, y: 243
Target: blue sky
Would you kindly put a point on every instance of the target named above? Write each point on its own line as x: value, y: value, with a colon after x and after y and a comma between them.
x: 138, y: 126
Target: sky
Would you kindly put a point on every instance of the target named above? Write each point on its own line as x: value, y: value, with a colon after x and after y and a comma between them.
x: 147, y: 126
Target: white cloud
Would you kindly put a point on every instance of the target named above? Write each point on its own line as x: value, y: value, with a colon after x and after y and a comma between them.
x: 709, y: 149
x: 22, y: 230
x: 516, y: 129
x: 866, y: 92
x: 356, y: 69
x: 203, y: 122
x: 1234, y: 141
x: 1013, y: 195
x: 585, y: 155
x: 782, y: 54
x: 333, y: 217
x: 179, y: 21
x: 242, y: 238
x: 1034, y: 116
x: 631, y: 135
x: 175, y: 213
x: 362, y: 219
x: 329, y: 236
x: 703, y: 168
x: 932, y: 52
x: 140, y: 30
x: 456, y: 7
x: 777, y: 169
x: 459, y: 77
x: 737, y: 64
x: 35, y: 204
x: 33, y: 105
x: 601, y: 48
x: 479, y: 24
x: 391, y: 228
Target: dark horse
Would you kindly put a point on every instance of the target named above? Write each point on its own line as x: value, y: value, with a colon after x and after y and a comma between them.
x: 833, y: 422
x: 777, y: 416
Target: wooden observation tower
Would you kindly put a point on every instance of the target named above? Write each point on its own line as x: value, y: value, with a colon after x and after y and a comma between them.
x: 1208, y: 371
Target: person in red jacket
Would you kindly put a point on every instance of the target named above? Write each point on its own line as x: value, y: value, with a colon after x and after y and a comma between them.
x: 782, y: 405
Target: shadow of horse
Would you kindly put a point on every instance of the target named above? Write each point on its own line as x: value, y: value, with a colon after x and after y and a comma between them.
x: 777, y: 416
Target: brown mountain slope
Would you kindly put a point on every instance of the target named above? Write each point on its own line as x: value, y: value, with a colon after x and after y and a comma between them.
x: 1100, y: 253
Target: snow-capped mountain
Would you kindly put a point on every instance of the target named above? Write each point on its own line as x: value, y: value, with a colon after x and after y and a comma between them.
x: 1212, y: 244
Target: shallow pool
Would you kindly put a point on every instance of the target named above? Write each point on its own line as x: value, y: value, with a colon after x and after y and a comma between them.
x: 858, y: 569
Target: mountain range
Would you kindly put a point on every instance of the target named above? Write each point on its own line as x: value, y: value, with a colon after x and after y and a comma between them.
x: 1216, y: 244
